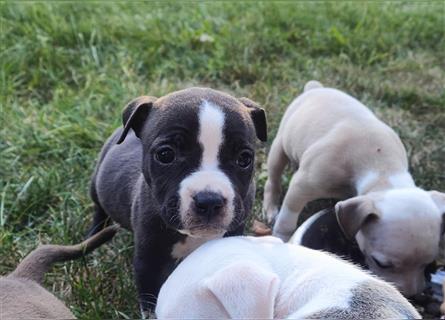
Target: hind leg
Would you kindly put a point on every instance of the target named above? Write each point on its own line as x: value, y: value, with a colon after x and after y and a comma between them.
x: 100, y: 218
x: 100, y: 221
x: 276, y: 162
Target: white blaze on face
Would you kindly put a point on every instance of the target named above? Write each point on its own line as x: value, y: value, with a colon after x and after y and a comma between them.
x: 208, y: 177
x: 211, y: 124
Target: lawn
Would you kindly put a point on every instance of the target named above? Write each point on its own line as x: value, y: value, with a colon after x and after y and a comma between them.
x: 68, y: 69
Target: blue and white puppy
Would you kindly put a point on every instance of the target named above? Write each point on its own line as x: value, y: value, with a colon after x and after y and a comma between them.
x: 177, y: 174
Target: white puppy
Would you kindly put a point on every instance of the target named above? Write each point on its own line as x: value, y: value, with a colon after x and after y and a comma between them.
x: 264, y: 278
x: 342, y: 150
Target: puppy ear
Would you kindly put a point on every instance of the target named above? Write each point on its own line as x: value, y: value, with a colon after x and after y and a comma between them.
x: 353, y: 213
x: 244, y: 290
x: 258, y: 117
x: 135, y: 114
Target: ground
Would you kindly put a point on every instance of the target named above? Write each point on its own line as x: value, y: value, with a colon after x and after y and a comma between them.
x: 67, y: 70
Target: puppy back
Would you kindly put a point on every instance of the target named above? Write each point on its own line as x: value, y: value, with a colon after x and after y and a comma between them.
x: 39, y: 261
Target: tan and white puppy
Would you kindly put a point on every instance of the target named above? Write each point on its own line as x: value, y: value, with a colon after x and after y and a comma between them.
x: 342, y: 150
x: 264, y: 278
x: 21, y: 293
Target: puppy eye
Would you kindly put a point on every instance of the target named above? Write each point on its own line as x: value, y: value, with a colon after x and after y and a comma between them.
x: 245, y: 158
x: 382, y: 265
x: 165, y: 155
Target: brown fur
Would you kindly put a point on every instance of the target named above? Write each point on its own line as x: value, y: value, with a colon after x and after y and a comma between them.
x: 372, y: 300
x: 22, y: 296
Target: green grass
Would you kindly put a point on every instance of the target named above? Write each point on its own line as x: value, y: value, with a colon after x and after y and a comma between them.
x: 68, y: 69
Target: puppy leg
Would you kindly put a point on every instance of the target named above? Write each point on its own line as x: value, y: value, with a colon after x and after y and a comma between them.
x: 147, y: 271
x: 276, y: 162
x: 299, y: 193
x: 100, y: 218
x: 152, y: 262
x: 239, y: 231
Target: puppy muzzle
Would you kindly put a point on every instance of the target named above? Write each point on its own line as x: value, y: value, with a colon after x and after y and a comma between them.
x: 206, y: 203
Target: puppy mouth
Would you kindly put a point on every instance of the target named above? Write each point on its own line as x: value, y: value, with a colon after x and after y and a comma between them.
x: 204, y: 230
x: 193, y: 225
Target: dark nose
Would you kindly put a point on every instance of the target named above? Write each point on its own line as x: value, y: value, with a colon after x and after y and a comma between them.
x: 208, y: 204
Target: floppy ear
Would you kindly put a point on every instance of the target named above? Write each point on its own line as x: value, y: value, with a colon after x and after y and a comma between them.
x: 135, y: 114
x: 258, y: 117
x: 353, y: 213
x: 439, y: 200
x: 244, y: 290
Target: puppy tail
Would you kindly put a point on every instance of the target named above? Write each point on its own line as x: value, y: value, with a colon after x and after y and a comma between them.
x: 39, y: 261
x: 313, y: 84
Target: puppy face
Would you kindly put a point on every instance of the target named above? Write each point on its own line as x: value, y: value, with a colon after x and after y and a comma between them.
x: 207, y: 195
x: 399, y: 235
x: 198, y: 159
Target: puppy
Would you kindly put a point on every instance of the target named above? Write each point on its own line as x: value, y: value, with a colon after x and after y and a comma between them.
x: 21, y: 293
x: 343, y: 151
x: 177, y: 174
x: 322, y: 232
x: 264, y: 278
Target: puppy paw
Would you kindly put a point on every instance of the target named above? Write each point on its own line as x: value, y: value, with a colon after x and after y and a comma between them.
x: 146, y: 314
x: 284, y: 228
x: 271, y: 213
x: 260, y: 229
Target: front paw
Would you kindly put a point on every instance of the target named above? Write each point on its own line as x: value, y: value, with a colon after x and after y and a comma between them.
x: 145, y: 314
x: 271, y: 213
x: 146, y: 311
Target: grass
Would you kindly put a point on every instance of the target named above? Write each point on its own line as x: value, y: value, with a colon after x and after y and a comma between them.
x: 67, y: 70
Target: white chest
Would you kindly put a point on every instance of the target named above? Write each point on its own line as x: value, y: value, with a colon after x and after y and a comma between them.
x: 183, y: 248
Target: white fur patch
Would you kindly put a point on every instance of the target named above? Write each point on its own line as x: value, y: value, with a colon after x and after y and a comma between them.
x: 402, y: 180
x: 211, y: 124
x: 412, y: 203
x: 183, y: 248
x: 365, y: 181
x: 208, y: 177
x: 396, y: 181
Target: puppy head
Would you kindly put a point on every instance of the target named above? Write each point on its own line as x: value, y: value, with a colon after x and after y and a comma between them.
x: 242, y: 290
x: 398, y: 232
x: 198, y: 156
